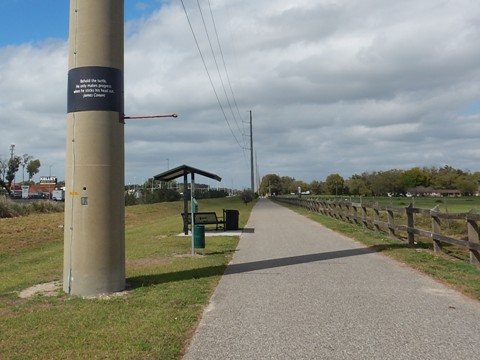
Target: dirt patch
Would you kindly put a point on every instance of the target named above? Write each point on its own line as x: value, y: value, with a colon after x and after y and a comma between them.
x: 115, y: 295
x: 47, y: 289
x: 53, y: 288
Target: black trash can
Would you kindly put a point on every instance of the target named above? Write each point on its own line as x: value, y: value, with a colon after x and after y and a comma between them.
x: 231, y: 219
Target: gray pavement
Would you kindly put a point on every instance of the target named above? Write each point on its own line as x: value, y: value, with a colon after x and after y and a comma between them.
x: 296, y: 290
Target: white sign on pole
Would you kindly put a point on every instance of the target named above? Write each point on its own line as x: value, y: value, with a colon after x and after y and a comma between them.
x: 25, y: 189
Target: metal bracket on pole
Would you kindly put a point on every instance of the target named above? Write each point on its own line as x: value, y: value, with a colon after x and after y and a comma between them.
x: 149, y: 116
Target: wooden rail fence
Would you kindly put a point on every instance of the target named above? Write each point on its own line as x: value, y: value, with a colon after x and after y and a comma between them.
x: 370, y: 216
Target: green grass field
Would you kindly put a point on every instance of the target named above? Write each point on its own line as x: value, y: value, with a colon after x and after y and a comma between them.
x: 446, y: 204
x: 154, y: 319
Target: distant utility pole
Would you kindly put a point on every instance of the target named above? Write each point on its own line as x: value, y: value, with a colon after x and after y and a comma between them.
x: 252, y: 181
x: 257, y: 173
x: 12, y: 149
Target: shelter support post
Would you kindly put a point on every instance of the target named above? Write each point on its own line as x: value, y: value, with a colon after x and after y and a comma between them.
x: 185, y: 204
x: 192, y: 194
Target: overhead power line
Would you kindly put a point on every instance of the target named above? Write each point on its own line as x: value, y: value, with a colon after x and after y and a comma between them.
x: 225, y: 68
x: 206, y: 67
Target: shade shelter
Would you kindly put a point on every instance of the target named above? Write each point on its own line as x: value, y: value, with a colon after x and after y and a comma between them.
x: 180, y: 171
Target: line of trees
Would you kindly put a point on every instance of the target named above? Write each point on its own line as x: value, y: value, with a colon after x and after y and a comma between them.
x: 10, y: 167
x: 379, y: 183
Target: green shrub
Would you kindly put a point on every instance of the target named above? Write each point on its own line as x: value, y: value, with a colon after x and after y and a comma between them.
x: 247, y: 196
x: 130, y: 199
x: 6, y: 208
x: 45, y: 207
x: 21, y: 209
x: 160, y: 195
x: 9, y: 208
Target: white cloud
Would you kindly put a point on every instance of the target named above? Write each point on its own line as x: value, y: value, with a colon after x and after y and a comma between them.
x: 335, y: 86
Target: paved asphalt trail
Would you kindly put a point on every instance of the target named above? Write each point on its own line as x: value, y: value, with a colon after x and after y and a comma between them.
x: 296, y: 290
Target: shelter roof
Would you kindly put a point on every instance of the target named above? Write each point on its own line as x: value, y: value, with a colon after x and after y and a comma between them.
x: 182, y: 170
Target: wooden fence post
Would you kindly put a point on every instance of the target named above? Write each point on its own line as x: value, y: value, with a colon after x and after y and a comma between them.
x: 330, y: 210
x: 472, y: 230
x: 376, y: 218
x: 320, y: 206
x: 437, y: 246
x: 348, y: 212
x: 410, y: 225
x: 364, y: 216
x: 391, y: 223
x: 355, y: 214
x: 335, y: 210
x: 341, y: 212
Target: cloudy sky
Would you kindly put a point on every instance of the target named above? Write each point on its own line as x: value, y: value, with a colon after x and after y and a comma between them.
x: 334, y: 86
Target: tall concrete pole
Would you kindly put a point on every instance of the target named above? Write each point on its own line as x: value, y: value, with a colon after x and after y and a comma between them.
x: 252, y: 180
x: 94, y: 239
